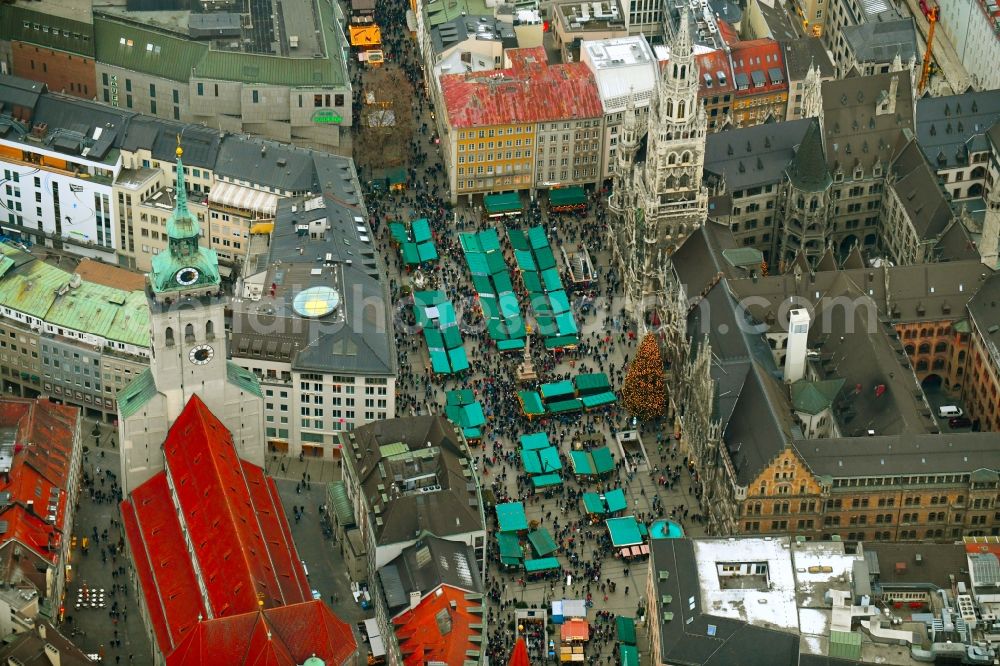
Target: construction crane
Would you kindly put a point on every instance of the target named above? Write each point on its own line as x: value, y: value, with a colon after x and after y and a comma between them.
x: 925, y: 72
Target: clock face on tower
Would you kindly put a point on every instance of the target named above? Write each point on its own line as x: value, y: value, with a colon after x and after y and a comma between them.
x: 201, y: 354
x: 187, y: 276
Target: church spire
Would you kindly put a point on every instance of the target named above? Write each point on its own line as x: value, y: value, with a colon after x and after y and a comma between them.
x: 680, y: 47
x: 182, y: 225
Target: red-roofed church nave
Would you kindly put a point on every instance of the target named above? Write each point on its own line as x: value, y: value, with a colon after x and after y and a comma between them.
x: 214, y: 562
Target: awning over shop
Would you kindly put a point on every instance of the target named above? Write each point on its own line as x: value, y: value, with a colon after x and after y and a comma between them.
x: 582, y: 463
x: 575, y: 630
x: 592, y: 383
x: 509, y: 202
x: 567, y: 196
x: 603, y: 462
x: 603, y: 503
x: 628, y: 655
x: 243, y: 198
x: 557, y: 390
x: 511, y: 517
x: 626, y: 629
x: 542, y: 542
x: 624, y: 532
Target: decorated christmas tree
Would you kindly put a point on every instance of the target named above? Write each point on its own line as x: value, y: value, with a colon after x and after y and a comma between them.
x: 644, y: 392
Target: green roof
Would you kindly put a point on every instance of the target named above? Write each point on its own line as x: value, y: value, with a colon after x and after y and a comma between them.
x: 139, y: 391
x: 181, y: 59
x: 170, y: 57
x: 503, y: 203
x: 542, y: 542
x: 32, y: 288
x: 62, y: 33
x: 337, y: 492
x: 743, y: 257
x: 243, y: 378
x: 845, y: 645
x: 567, y: 196
x: 814, y: 397
x: 626, y: 630
x: 511, y: 517
x: 443, y: 11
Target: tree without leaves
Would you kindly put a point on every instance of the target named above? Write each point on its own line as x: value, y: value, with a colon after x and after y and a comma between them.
x: 644, y: 392
x: 385, y: 125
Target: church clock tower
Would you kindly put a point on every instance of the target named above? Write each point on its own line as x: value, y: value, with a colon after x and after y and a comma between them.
x: 188, y: 354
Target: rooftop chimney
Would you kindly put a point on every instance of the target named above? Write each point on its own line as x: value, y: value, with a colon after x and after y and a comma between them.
x: 795, y: 350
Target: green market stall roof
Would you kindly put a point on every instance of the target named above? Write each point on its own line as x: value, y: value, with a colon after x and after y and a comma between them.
x: 542, y: 542
x: 511, y: 517
x: 624, y: 531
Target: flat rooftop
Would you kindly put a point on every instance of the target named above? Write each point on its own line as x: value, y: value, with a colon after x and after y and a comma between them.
x: 590, y: 16
x: 76, y: 10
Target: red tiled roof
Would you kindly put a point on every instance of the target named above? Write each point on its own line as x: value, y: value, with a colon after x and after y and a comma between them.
x: 727, y: 32
x: 233, y: 519
x: 419, y: 633
x: 760, y: 55
x: 284, y: 636
x: 710, y: 62
x: 529, y: 91
x: 235, y: 522
x: 44, y: 434
x: 161, y: 560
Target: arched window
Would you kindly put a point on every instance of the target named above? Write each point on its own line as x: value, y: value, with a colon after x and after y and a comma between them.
x: 680, y: 110
x: 169, y: 336
x: 686, y: 156
x: 940, y: 347
x: 670, y: 108
x: 671, y: 183
x: 925, y: 348
x: 685, y: 180
x: 672, y: 158
x: 210, y: 330
x: 189, y: 333
x: 684, y: 70
x: 676, y: 71
x: 910, y: 349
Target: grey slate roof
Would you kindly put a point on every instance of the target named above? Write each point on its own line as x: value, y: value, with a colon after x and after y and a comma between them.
x: 752, y: 156
x: 350, y: 340
x: 15, y: 91
x: 486, y: 28
x: 807, y: 171
x: 201, y: 144
x: 426, y: 564
x: 948, y: 127
x: 760, y: 425
x: 803, y: 52
x: 855, y: 133
x: 450, y: 510
x: 985, y: 310
x: 943, y: 453
x: 881, y: 41
x: 277, y: 165
x: 920, y: 193
x: 694, y: 637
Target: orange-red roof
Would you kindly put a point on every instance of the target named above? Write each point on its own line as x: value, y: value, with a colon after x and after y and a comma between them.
x: 43, y: 435
x: 420, y: 633
x: 233, y: 517
x: 285, y: 636
x: 110, y: 276
x: 529, y: 91
x: 161, y: 561
x: 759, y: 55
x: 711, y: 63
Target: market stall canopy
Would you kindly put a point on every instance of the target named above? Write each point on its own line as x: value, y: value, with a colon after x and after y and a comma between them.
x: 624, y: 531
x: 511, y: 517
x: 541, y: 564
x: 511, y: 553
x: 626, y: 629
x: 542, y: 542
x: 535, y: 441
x: 576, y: 629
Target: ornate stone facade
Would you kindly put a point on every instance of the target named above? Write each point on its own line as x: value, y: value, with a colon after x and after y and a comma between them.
x: 658, y: 202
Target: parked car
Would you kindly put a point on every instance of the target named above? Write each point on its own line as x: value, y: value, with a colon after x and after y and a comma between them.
x: 959, y: 422
x: 948, y: 411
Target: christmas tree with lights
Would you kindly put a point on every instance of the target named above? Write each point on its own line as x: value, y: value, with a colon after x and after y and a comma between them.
x: 644, y: 392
